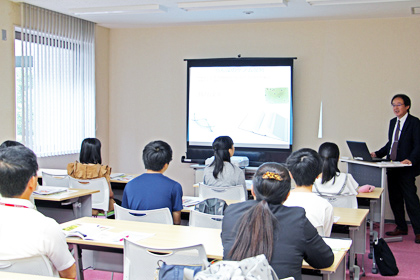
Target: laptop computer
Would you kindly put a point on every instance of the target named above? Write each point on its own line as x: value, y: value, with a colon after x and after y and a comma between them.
x: 360, y: 151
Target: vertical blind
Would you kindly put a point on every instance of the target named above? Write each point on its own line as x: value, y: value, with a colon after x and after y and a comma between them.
x: 57, y: 64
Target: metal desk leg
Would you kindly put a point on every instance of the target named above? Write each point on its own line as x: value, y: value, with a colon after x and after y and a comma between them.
x: 353, y: 269
x: 382, y: 225
x: 79, y: 265
x: 371, y: 231
x: 339, y: 274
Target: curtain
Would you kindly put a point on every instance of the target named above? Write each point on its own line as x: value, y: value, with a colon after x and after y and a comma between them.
x: 57, y: 84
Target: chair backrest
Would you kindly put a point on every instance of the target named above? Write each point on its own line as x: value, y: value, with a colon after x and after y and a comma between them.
x: 55, y: 180
x: 158, y: 216
x: 198, y: 219
x: 36, y: 265
x: 320, y: 230
x: 142, y: 261
x: 225, y: 193
x: 100, y: 200
x: 343, y: 201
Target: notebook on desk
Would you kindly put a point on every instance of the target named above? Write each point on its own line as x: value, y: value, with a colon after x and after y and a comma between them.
x: 360, y: 151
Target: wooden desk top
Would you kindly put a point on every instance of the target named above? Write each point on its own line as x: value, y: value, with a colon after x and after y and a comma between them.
x: 21, y: 276
x: 375, y: 194
x: 380, y: 164
x: 169, y: 236
x: 165, y: 236
x: 338, y: 258
x: 71, y: 193
x: 350, y: 217
x: 189, y: 208
x: 64, y: 172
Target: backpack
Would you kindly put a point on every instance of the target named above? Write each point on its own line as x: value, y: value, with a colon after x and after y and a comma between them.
x: 213, y: 206
x: 248, y: 269
x: 176, y: 272
x: 384, y: 258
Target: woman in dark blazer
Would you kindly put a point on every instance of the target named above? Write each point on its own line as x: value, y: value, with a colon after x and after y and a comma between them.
x: 265, y: 226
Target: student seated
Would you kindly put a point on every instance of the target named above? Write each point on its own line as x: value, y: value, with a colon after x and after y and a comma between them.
x: 90, y: 167
x: 305, y: 166
x: 153, y: 190
x: 10, y: 143
x: 265, y: 226
x: 340, y: 189
x: 25, y: 232
x: 221, y: 172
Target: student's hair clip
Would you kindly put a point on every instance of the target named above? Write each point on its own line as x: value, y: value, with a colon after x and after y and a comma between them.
x: 272, y: 175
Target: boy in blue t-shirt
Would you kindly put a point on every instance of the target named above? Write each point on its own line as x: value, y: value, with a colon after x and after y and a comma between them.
x: 153, y: 190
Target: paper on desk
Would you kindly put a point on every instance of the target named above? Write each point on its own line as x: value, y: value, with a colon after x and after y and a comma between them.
x: 121, y: 177
x: 134, y: 236
x: 336, y: 218
x: 337, y: 244
x: 188, y: 201
x: 47, y: 190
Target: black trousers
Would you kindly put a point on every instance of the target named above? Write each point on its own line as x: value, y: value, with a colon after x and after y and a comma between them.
x: 402, y: 191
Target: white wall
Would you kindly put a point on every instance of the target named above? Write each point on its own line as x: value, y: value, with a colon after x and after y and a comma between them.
x: 9, y: 15
x: 353, y: 66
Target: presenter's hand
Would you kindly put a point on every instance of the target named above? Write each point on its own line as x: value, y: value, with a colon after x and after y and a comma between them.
x: 406, y: 161
x: 373, y: 155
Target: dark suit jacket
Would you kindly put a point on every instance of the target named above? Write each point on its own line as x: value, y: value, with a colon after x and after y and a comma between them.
x: 295, y: 239
x: 408, y: 144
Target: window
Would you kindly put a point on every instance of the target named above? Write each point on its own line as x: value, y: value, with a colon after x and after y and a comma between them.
x: 55, y: 81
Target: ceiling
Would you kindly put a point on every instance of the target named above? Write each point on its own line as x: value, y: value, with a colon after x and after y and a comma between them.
x: 173, y: 15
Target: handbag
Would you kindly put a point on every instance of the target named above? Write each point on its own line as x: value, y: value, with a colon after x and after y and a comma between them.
x: 247, y: 269
x: 176, y: 272
x: 213, y: 206
x: 384, y: 258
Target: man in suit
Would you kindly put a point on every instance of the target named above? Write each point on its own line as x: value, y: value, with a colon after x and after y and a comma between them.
x: 404, y: 146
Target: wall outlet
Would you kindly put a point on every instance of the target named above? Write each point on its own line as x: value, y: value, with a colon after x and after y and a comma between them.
x: 3, y: 35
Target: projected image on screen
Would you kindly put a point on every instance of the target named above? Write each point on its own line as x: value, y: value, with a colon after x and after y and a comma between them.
x: 251, y: 104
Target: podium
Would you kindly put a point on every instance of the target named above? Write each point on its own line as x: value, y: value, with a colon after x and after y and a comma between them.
x: 373, y: 173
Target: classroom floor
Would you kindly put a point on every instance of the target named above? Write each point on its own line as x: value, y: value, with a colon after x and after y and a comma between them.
x: 406, y: 254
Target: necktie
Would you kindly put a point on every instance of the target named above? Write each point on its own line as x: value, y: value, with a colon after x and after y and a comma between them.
x: 393, y: 155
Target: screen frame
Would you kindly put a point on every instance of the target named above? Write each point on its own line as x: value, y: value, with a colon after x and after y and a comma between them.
x: 256, y: 156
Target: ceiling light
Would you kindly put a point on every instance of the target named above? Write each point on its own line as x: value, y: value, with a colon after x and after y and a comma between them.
x: 415, y: 10
x: 140, y: 9
x: 337, y: 2
x: 231, y: 4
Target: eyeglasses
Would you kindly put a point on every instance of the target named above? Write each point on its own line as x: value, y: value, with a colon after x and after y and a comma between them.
x: 397, y: 105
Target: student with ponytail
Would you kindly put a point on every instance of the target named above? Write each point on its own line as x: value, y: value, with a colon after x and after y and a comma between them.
x: 340, y: 189
x: 221, y: 172
x: 265, y: 226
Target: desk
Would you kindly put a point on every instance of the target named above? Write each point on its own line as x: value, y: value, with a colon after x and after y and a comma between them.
x: 167, y: 236
x: 64, y: 172
x: 356, y: 220
x: 373, y: 173
x: 373, y: 197
x: 53, y: 205
x: 21, y: 276
x: 117, y: 184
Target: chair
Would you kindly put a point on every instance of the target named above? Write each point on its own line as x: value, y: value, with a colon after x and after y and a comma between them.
x: 198, y: 219
x: 225, y: 193
x: 320, y: 230
x: 343, y: 201
x: 55, y: 180
x: 142, y: 261
x: 100, y: 200
x: 158, y: 216
x: 36, y: 265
